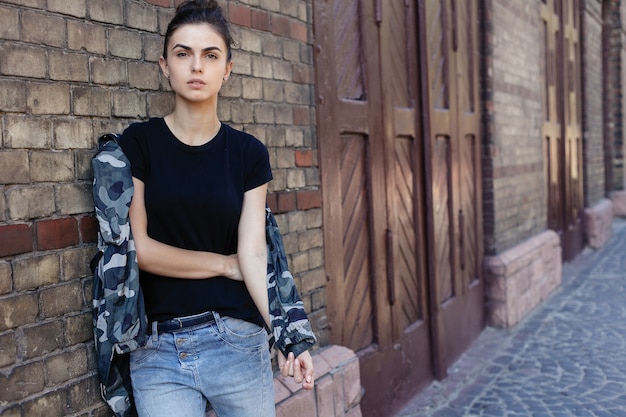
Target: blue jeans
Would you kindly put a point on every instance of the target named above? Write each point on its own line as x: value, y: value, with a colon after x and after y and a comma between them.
x: 226, y: 363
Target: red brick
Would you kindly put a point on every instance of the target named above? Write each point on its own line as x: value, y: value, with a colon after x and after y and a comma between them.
x: 304, y: 158
x: 298, y: 31
x: 56, y: 234
x: 309, y: 199
x: 286, y: 202
x: 280, y: 26
x: 260, y: 20
x: 272, y: 202
x: 88, y: 226
x: 15, y: 239
x: 239, y: 15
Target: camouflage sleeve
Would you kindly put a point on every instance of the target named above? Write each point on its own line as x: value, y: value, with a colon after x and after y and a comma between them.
x: 291, y: 328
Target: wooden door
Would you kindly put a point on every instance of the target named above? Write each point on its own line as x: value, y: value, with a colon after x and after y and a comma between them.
x: 451, y: 59
x: 562, y: 131
x: 371, y: 154
x: 408, y: 359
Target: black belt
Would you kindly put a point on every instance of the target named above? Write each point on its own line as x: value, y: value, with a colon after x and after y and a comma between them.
x: 168, y: 326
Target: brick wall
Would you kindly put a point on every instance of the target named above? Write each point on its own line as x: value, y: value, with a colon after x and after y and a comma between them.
x: 515, y: 202
x: 593, y: 122
x: 612, y: 45
x: 71, y: 70
x: 620, y: 23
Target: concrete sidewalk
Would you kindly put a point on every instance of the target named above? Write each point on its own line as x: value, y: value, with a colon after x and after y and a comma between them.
x: 567, y: 358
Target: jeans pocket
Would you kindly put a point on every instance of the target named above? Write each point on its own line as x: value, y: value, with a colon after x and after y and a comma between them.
x: 142, y: 354
x: 242, y: 334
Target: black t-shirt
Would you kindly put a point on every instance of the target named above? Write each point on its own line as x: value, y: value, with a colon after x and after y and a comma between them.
x: 194, y: 197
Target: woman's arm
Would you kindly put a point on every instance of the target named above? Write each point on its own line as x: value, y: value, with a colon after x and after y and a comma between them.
x: 252, y: 252
x: 162, y: 259
x: 252, y: 248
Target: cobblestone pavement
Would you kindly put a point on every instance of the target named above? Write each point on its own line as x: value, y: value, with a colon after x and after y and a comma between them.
x: 567, y: 358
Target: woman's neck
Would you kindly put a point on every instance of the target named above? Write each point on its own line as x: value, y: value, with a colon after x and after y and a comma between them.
x: 191, y: 127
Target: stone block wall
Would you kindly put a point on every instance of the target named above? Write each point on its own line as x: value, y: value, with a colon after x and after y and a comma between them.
x: 519, y: 279
x: 71, y: 70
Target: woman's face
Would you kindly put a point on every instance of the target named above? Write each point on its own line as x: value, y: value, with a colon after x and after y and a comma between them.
x: 196, y: 62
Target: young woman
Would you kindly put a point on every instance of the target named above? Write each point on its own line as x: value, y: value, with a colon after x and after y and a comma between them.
x: 198, y: 222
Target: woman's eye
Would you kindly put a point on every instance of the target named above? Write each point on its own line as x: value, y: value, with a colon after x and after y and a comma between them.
x: 181, y: 54
x: 211, y: 56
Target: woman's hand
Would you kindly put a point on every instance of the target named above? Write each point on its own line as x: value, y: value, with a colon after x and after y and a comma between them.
x: 300, y: 368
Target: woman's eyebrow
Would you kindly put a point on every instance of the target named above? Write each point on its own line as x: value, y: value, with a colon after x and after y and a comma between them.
x: 188, y: 48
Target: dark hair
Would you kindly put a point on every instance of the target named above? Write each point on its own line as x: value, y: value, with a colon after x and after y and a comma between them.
x: 200, y: 11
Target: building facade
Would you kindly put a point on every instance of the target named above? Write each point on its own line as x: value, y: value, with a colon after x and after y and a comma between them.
x: 435, y: 163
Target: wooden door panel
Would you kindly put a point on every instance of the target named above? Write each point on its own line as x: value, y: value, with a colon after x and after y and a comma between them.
x: 358, y: 321
x: 466, y: 39
x: 407, y: 273
x: 348, y: 50
x: 436, y: 20
x: 442, y: 215
x: 469, y: 217
x: 399, y: 67
x: 397, y: 52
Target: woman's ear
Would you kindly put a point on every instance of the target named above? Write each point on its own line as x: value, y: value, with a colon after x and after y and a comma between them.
x: 228, y: 70
x: 164, y: 68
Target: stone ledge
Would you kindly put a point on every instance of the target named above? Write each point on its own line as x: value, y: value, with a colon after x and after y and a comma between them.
x: 337, y: 391
x: 520, y: 278
x: 599, y: 223
x: 618, y: 198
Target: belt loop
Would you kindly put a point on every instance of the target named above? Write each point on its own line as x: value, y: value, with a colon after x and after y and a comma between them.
x: 218, y: 321
x: 155, y: 331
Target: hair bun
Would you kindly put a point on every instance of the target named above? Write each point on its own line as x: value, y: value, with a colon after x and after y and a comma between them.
x: 197, y: 5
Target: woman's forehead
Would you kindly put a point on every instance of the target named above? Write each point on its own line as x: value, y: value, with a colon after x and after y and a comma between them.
x: 197, y: 35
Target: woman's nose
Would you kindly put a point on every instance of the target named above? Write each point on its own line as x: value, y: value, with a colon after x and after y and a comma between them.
x: 197, y: 64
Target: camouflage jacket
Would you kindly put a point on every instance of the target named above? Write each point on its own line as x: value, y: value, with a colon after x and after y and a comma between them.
x: 120, y: 322
x: 119, y: 319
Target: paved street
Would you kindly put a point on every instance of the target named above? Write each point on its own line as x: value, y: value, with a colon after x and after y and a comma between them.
x: 567, y: 358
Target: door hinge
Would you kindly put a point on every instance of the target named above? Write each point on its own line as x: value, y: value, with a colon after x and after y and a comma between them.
x: 462, y: 237
x: 454, y: 17
x: 378, y: 11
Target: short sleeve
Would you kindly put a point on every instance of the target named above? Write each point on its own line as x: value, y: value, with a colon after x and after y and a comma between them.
x: 135, y: 150
x: 259, y: 170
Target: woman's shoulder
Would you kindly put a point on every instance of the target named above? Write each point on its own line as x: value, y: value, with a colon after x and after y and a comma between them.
x: 144, y: 127
x: 241, y: 137
x: 141, y: 132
